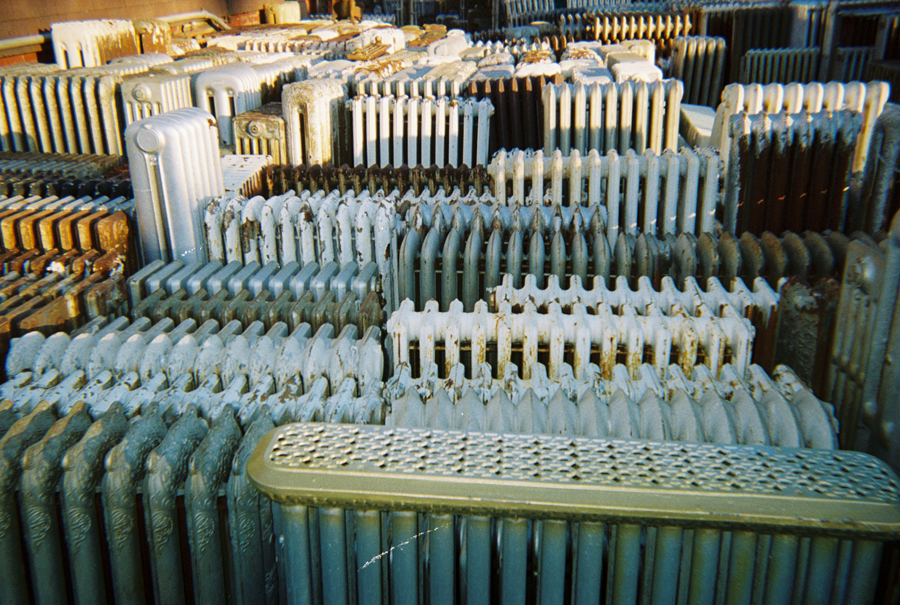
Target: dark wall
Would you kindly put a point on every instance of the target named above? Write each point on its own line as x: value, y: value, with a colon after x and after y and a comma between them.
x: 28, y: 17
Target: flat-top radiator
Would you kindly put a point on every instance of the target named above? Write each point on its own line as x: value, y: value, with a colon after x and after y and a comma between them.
x: 491, y: 517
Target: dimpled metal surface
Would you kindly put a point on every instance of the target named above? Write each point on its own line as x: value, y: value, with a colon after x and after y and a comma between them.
x: 358, y: 466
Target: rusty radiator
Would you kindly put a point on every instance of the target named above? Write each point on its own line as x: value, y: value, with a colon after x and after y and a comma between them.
x: 867, y: 99
x: 28, y: 183
x: 790, y: 171
x: 483, y: 515
x: 422, y: 338
x: 314, y: 118
x: 261, y: 131
x: 518, y: 110
x: 61, y: 164
x: 403, y: 179
x: 662, y: 27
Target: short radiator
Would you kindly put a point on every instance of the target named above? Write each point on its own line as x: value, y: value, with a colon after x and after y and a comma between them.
x: 459, y: 514
x: 261, y: 131
x: 400, y: 131
x: 226, y: 92
x: 633, y: 115
x: 175, y: 165
x: 314, y: 118
x: 244, y: 174
x: 149, y: 95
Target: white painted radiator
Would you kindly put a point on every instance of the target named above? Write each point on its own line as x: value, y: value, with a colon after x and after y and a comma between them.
x: 306, y: 228
x: 244, y: 174
x: 647, y: 193
x: 227, y: 91
x: 632, y: 115
x: 175, y: 165
x: 71, y: 111
x: 92, y: 43
x: 522, y: 339
x: 149, y: 95
x: 399, y: 131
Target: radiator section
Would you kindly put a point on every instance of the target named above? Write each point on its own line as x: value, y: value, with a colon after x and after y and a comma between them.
x: 150, y: 95
x: 225, y: 92
x: 687, y: 340
x: 314, y: 117
x: 867, y: 99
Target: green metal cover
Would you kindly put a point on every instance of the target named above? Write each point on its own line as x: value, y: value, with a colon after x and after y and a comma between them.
x: 765, y: 489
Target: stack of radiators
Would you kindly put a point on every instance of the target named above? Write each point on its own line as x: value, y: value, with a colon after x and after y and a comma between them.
x: 64, y: 261
x: 172, y: 414
x: 514, y: 245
